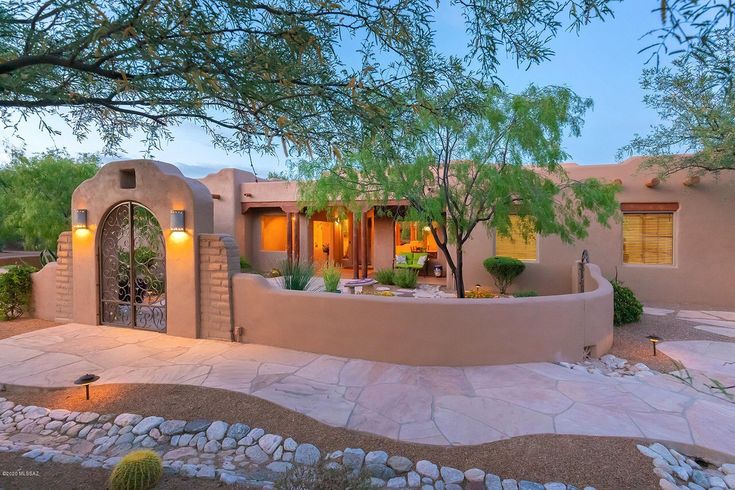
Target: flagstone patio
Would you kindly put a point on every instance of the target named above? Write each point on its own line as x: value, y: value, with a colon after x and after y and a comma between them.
x: 432, y: 405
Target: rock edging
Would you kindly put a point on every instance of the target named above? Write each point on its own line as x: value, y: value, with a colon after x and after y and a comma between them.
x: 233, y: 453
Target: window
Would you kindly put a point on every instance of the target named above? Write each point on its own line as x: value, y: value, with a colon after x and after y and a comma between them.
x: 273, y: 233
x: 412, y: 236
x: 648, y: 238
x: 516, y: 245
x: 127, y: 178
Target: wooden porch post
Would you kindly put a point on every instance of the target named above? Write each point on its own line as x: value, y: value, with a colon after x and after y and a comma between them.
x: 297, y: 236
x: 363, y: 244
x: 355, y: 248
x: 289, y: 237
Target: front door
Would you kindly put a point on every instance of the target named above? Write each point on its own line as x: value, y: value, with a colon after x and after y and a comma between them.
x: 132, y: 269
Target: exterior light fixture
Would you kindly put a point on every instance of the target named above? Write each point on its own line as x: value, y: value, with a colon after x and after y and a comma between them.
x: 79, y: 221
x: 654, y: 339
x: 85, y: 381
x: 178, y: 220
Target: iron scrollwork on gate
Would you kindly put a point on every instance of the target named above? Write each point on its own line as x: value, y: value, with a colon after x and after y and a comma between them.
x: 132, y: 269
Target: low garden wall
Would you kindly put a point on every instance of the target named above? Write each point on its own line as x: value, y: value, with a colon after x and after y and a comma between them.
x: 44, y: 292
x: 417, y: 331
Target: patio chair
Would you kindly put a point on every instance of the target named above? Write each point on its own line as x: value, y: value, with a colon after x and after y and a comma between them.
x: 413, y: 261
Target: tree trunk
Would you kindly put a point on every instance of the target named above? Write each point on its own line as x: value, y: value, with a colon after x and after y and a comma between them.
x: 458, y: 276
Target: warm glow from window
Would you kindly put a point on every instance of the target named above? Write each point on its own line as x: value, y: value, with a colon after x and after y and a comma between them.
x: 412, y: 236
x: 648, y: 238
x: 516, y: 245
x: 273, y: 233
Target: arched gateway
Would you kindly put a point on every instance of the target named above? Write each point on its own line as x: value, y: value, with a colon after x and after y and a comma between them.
x: 132, y: 255
x: 135, y: 248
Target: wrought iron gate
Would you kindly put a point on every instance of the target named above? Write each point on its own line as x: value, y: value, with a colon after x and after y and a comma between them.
x: 132, y: 269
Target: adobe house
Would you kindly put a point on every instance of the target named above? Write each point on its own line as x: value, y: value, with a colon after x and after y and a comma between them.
x: 672, y: 245
x: 140, y: 226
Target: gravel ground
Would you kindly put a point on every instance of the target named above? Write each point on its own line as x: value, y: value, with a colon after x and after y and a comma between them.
x: 604, y: 462
x: 23, y: 325
x: 74, y: 477
x: 630, y: 340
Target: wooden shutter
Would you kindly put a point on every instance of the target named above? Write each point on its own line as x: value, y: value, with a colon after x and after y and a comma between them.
x: 648, y: 238
x: 515, y: 245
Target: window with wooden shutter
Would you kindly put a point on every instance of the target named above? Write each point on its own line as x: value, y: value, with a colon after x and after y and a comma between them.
x: 648, y: 238
x: 516, y: 245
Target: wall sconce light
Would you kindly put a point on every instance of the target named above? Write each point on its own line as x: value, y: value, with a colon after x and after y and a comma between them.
x: 654, y: 339
x: 85, y: 381
x: 79, y: 221
x: 178, y: 220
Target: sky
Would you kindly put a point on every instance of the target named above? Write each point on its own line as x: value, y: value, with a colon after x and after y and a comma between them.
x: 601, y: 62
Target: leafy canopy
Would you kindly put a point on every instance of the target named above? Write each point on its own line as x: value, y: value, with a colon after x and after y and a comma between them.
x: 461, y: 159
x: 35, y: 192
x: 253, y: 74
x: 696, y: 99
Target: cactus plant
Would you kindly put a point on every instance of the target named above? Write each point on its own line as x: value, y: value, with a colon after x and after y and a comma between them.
x: 138, y: 470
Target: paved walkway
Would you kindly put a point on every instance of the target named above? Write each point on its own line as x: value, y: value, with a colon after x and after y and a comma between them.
x: 432, y: 405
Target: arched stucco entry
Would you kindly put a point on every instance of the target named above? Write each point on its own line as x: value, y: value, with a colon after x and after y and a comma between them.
x: 161, y: 188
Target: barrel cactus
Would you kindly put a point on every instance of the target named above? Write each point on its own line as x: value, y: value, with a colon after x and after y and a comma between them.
x: 138, y: 470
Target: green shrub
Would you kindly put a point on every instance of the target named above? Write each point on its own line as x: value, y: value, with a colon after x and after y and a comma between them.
x: 525, y: 294
x: 504, y: 270
x: 321, y: 477
x: 331, y: 274
x: 384, y: 276
x: 296, y: 276
x: 627, y: 307
x: 15, y: 291
x: 138, y: 470
x: 245, y: 265
x: 405, y: 278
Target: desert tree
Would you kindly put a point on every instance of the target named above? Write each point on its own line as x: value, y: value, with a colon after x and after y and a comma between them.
x: 35, y: 192
x: 695, y: 99
x: 301, y: 74
x: 469, y: 157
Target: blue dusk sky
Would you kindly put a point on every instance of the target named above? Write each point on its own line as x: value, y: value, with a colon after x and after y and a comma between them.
x: 602, y: 63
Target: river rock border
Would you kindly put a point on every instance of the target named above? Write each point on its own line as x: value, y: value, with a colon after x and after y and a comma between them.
x: 677, y: 471
x: 233, y: 453
x: 611, y: 366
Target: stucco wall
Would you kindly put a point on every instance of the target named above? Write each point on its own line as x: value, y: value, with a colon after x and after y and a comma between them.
x: 64, y: 291
x: 218, y: 261
x: 228, y: 217
x: 414, y: 331
x: 44, y: 292
x: 383, y: 247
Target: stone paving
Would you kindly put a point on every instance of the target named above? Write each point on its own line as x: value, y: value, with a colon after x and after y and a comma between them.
x: 431, y: 405
x: 711, y: 358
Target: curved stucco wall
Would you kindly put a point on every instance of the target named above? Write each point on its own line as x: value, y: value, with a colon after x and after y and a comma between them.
x: 446, y: 332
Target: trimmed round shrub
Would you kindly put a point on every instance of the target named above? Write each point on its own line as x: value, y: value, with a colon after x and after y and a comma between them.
x: 504, y: 270
x: 15, y: 291
x: 138, y: 470
x: 405, y: 278
x: 384, y: 276
x: 525, y: 294
x: 627, y: 307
